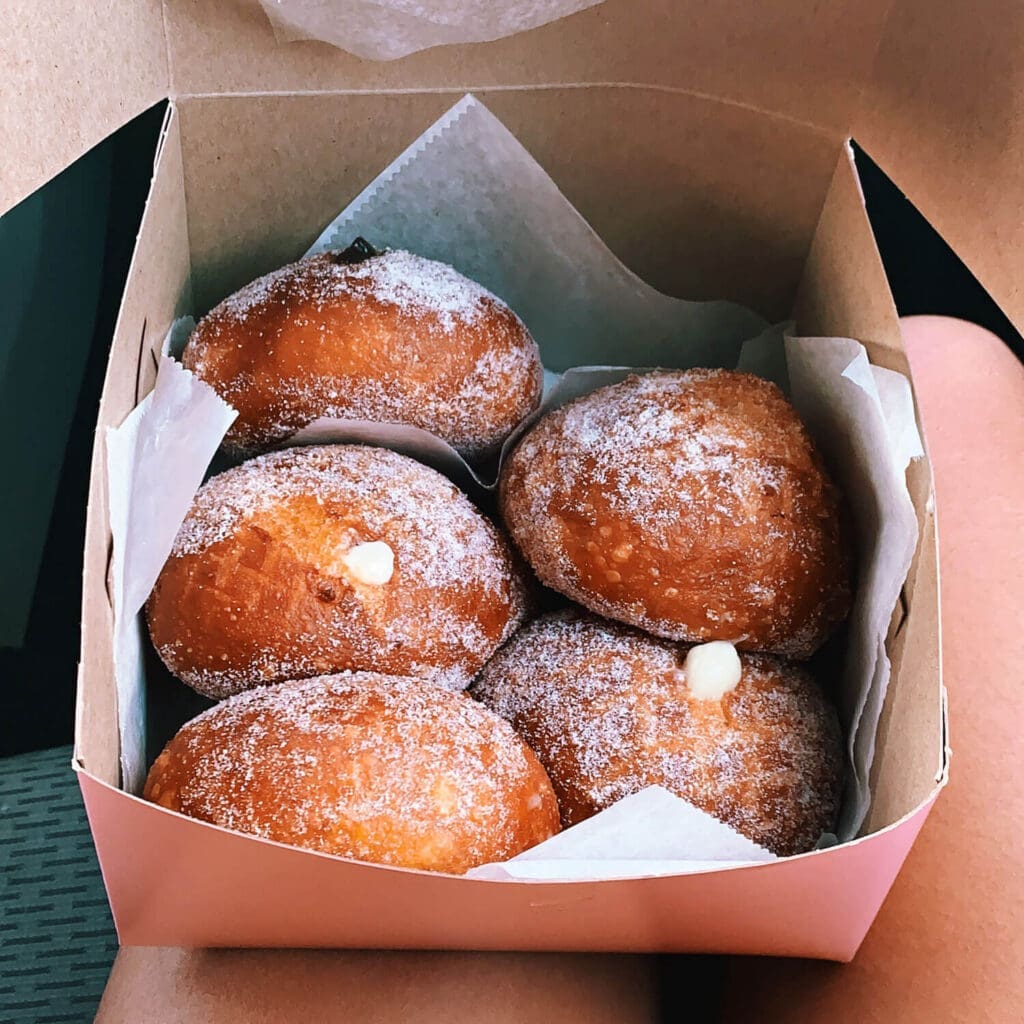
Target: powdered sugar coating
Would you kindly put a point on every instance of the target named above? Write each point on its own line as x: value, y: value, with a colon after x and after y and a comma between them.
x: 691, y: 504
x: 396, y: 338
x: 376, y: 768
x: 608, y: 712
x: 259, y: 588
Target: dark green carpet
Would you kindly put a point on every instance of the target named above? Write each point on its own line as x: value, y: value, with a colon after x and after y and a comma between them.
x: 57, y: 939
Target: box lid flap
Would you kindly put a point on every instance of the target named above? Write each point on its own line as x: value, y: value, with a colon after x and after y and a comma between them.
x: 933, y: 99
x: 805, y: 62
x: 943, y: 116
x: 936, y: 101
x: 70, y: 74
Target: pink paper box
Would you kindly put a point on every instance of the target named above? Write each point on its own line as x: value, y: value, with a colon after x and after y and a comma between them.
x: 709, y: 170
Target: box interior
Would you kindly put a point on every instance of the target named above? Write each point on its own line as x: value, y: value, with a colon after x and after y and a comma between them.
x: 700, y: 203
x: 709, y: 200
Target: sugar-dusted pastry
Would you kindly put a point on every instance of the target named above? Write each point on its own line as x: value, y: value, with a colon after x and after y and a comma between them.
x: 693, y: 505
x: 395, y: 771
x: 316, y: 560
x: 393, y: 338
x: 608, y: 710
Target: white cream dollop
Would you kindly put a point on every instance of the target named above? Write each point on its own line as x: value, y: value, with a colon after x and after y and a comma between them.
x: 712, y: 670
x: 372, y: 563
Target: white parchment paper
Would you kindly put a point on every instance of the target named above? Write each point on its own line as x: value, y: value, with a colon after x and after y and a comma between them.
x: 156, y: 461
x: 652, y: 832
x: 467, y: 193
x: 453, y: 195
x: 870, y: 442
x: 389, y: 29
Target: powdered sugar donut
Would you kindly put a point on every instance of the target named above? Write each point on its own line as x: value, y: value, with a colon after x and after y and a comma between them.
x: 316, y: 560
x: 609, y: 711
x: 693, y: 505
x: 392, y: 339
x: 394, y: 771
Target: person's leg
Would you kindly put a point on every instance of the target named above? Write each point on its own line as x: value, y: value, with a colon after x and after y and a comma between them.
x: 948, y: 945
x: 175, y: 986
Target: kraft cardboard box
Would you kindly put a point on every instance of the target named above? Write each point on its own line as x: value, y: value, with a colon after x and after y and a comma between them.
x: 707, y: 147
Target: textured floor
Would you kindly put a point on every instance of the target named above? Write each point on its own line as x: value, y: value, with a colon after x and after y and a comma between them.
x: 57, y: 940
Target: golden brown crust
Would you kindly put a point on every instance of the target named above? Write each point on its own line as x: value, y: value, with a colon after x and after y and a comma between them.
x: 693, y: 505
x: 394, y: 339
x: 257, y: 588
x: 608, y: 712
x: 393, y: 771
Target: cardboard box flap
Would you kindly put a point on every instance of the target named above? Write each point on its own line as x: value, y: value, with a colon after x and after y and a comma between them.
x: 933, y: 100
x: 943, y: 116
x: 70, y: 74
x: 803, y: 62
